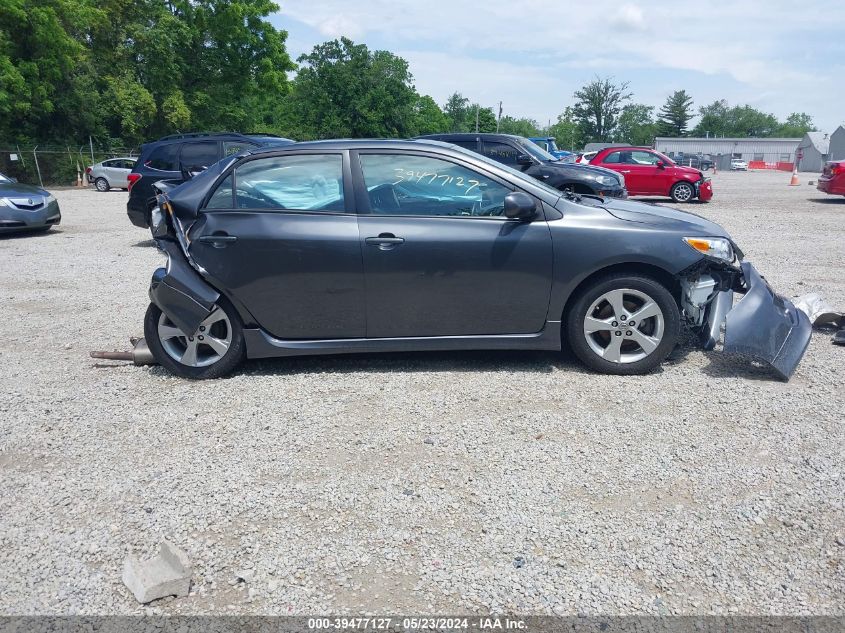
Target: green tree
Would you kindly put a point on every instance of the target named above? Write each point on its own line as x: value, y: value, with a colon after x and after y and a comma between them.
x: 797, y: 124
x: 721, y: 119
x: 636, y: 125
x: 428, y: 118
x: 456, y: 110
x: 519, y: 126
x: 597, y: 107
x: 675, y: 114
x: 345, y: 90
x: 486, y: 118
x: 566, y: 131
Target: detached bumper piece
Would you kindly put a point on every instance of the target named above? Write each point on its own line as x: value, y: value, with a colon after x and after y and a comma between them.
x: 763, y: 325
x: 180, y: 292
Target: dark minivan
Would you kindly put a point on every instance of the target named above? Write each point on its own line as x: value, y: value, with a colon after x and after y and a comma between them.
x: 522, y: 154
x: 177, y: 157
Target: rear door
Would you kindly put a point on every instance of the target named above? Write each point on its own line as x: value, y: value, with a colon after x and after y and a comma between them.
x: 277, y: 233
x: 440, y: 259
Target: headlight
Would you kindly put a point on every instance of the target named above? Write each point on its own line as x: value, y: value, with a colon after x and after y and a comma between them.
x: 49, y: 198
x: 156, y: 219
x: 607, y: 181
x: 717, y: 247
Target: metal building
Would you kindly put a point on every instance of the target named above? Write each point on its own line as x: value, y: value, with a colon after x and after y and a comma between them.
x: 760, y: 153
x: 836, y: 149
x: 813, y: 151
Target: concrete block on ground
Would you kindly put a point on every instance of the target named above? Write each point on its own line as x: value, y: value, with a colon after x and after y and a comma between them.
x: 168, y: 574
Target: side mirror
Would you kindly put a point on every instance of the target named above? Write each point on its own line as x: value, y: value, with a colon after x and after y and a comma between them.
x: 660, y: 164
x: 519, y: 206
x: 524, y: 159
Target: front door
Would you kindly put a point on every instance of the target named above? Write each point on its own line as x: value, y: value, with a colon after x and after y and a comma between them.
x: 439, y: 257
x: 277, y: 234
x: 642, y: 175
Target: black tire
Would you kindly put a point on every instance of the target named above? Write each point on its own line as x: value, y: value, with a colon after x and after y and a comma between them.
x: 682, y: 192
x: 225, y: 365
x: 101, y: 184
x: 577, y: 337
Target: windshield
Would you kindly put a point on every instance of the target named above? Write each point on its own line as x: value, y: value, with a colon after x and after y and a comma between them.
x: 510, y: 170
x: 535, y: 150
x: 551, y: 145
x: 4, y: 178
x: 665, y: 158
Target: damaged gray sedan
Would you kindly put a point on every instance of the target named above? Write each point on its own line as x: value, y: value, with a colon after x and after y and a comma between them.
x: 382, y: 246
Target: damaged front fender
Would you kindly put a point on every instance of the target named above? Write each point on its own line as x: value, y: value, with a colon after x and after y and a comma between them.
x: 763, y: 324
x: 179, y: 290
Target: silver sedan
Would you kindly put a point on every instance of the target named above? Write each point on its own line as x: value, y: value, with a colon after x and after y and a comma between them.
x: 111, y: 173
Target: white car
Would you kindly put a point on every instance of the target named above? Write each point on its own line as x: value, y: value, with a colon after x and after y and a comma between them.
x: 738, y: 165
x: 585, y: 158
x: 111, y: 173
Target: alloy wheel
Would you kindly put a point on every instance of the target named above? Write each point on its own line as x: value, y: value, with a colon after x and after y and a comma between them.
x: 683, y: 192
x: 624, y: 326
x: 202, y: 348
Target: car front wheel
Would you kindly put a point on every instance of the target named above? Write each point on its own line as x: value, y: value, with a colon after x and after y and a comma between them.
x: 102, y: 184
x: 214, y: 350
x: 623, y: 324
x: 682, y: 192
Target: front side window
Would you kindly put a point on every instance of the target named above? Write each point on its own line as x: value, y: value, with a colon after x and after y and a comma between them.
x: 164, y: 158
x: 501, y: 152
x: 403, y: 184
x: 230, y: 148
x: 642, y: 158
x: 311, y: 182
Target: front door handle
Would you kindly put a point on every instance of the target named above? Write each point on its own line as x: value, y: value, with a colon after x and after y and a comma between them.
x: 385, y: 241
x: 217, y: 241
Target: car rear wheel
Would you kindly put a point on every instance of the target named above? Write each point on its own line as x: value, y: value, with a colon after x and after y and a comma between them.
x: 214, y: 350
x: 102, y: 184
x: 682, y: 192
x: 623, y: 324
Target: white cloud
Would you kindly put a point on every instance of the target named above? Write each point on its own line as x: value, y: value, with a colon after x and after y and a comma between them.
x: 630, y: 18
x: 536, y: 50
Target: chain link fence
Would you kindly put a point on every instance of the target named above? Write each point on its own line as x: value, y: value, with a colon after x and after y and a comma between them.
x: 50, y: 165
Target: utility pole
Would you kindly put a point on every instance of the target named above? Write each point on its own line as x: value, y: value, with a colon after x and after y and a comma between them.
x: 499, y: 118
x: 91, y: 145
x: 476, y: 118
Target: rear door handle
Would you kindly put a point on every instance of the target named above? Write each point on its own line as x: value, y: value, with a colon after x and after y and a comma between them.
x: 217, y: 241
x: 385, y: 241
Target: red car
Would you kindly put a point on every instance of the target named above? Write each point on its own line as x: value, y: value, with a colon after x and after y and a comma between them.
x: 832, y: 180
x: 650, y: 173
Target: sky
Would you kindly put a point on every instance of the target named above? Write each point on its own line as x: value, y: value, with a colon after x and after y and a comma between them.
x: 776, y: 55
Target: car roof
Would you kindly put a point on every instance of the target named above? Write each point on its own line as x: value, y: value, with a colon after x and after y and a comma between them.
x: 358, y: 143
x: 265, y: 138
x: 468, y: 135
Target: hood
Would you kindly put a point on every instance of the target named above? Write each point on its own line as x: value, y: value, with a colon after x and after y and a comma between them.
x: 583, y: 168
x: 18, y: 190
x: 689, y: 170
x: 647, y: 213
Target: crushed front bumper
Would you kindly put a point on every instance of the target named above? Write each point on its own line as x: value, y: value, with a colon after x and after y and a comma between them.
x: 763, y: 324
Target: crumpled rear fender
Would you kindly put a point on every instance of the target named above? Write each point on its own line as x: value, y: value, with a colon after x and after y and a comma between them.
x: 180, y: 292
x: 763, y: 324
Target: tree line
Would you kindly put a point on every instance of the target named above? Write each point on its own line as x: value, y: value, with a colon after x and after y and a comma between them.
x: 126, y: 71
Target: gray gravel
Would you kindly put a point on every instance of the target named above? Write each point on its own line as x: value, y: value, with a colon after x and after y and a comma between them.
x: 460, y: 482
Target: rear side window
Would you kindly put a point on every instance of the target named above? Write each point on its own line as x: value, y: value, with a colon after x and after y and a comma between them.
x: 164, y: 158
x: 312, y: 182
x: 501, y: 152
x: 199, y: 156
x: 470, y: 145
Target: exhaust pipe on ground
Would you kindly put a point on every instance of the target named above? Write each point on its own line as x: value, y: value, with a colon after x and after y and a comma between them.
x: 139, y: 355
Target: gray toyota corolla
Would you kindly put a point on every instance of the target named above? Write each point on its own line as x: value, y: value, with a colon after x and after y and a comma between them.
x: 26, y: 207
x: 375, y: 246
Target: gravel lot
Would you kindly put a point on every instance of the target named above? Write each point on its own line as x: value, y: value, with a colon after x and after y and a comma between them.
x: 459, y: 482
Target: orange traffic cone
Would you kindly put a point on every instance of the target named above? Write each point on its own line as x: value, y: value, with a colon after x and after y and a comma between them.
x: 794, y: 182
